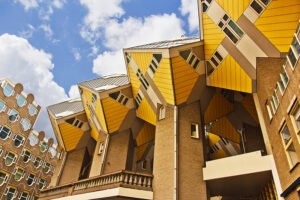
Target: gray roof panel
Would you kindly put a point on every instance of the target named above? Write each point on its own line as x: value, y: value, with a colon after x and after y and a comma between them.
x: 66, y: 108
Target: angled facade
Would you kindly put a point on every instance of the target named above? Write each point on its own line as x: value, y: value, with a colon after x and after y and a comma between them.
x: 28, y: 159
x: 208, y: 117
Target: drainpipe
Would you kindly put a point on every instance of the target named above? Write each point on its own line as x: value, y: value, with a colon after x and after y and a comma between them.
x: 175, y: 153
x: 104, y: 153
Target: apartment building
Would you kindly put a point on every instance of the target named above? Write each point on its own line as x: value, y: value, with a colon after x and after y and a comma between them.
x: 28, y: 159
x: 209, y: 117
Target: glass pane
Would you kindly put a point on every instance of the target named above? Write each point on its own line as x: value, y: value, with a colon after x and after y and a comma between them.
x: 285, y: 77
x: 13, y: 116
x: 32, y: 109
x: 26, y: 125
x: 18, y: 174
x: 2, y: 178
x: 204, y: 7
x: 214, y: 61
x: 114, y: 95
x: 292, y: 155
x: 185, y: 54
x: 192, y: 59
x: 292, y: 57
x: 256, y: 7
x: 209, y: 68
x: 33, y: 140
x: 37, y: 161
x: 18, y: 140
x: 296, y: 45
x: 21, y: 101
x: 236, y: 28
x: 9, y: 159
x: 8, y: 90
x: 230, y: 35
x: 286, y: 135
x: 266, y: 2
x: 4, y: 132
x: 43, y: 147
x: 2, y: 106
x: 296, y: 116
x: 218, y: 56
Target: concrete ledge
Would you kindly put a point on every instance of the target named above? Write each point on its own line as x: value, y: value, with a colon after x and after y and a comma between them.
x: 242, y: 164
x: 109, y: 193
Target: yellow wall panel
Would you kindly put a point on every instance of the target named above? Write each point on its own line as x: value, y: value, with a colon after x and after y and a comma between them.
x: 233, y: 7
x: 213, y: 36
x: 217, y: 108
x: 56, y: 130
x: 146, y: 113
x: 249, y: 105
x: 163, y: 80
x: 71, y: 135
x: 114, y: 112
x: 135, y: 83
x: 184, y: 77
x: 279, y: 22
x: 142, y: 60
x: 94, y: 133
x: 213, y: 139
x: 230, y: 75
x: 141, y: 150
x: 146, y: 134
x: 225, y: 129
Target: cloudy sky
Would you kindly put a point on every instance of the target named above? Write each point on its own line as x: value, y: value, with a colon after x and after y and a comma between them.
x: 51, y: 45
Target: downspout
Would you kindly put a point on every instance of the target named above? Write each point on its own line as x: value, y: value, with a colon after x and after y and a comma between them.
x: 104, y: 153
x: 175, y: 153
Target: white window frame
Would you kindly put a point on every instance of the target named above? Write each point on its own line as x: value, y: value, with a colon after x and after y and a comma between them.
x: 9, y: 133
x: 5, y: 178
x: 4, y: 106
x: 162, y: 113
x: 21, y: 175
x: 49, y: 167
x: 29, y: 156
x: 294, y: 52
x: 44, y: 184
x: 269, y: 111
x: 40, y: 162
x: 33, y: 179
x: 4, y: 88
x: 196, y: 131
x: 101, y: 148
x: 7, y: 191
x: 20, y: 96
x: 21, y: 195
x: 9, y: 113
x: 31, y: 107
x: 21, y: 142
x: 13, y: 159
x: 25, y: 124
x: 46, y: 146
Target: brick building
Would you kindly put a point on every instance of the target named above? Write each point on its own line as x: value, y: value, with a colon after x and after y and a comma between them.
x: 209, y: 117
x: 28, y: 159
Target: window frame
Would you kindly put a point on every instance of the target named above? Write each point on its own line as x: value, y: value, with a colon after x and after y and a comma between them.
x: 196, y: 136
x: 295, y: 106
x: 46, y: 146
x: 40, y: 162
x: 21, y: 195
x: 33, y: 108
x: 9, y: 114
x: 7, y: 191
x: 33, y: 179
x: 44, y: 183
x: 3, y: 107
x: 101, y: 148
x: 162, y: 113
x: 21, y: 175
x: 8, y: 134
x: 28, y: 124
x: 4, y: 85
x: 294, y: 51
x: 5, y: 178
x: 49, y: 167
x: 13, y: 159
x: 21, y: 142
x: 24, y: 102
x: 24, y: 154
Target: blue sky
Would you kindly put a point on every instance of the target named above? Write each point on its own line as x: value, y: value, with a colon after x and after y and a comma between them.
x: 51, y: 45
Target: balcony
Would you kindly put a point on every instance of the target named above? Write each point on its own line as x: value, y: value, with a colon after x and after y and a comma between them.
x: 122, y: 184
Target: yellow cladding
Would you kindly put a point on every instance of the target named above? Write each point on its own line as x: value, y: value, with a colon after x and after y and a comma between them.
x: 56, y: 129
x: 146, y: 134
x: 217, y: 108
x: 249, y: 105
x: 230, y: 75
x: 225, y: 129
x: 142, y: 60
x: 71, y: 135
x: 234, y: 8
x: 184, y: 77
x: 163, y: 80
x: 94, y: 132
x: 114, y: 112
x: 141, y: 150
x: 146, y: 113
x: 279, y: 22
x: 100, y: 115
x: 213, y: 36
x: 212, y: 140
x: 135, y: 83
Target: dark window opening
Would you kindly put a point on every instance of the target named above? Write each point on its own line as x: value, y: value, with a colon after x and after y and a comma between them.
x: 230, y: 35
x: 192, y: 59
x: 236, y: 28
x: 152, y: 69
x: 196, y: 64
x: 209, y: 68
x: 221, y: 24
x: 154, y: 64
x: 158, y: 57
x: 114, y: 95
x: 185, y: 54
x: 225, y: 17
x: 76, y: 123
x: 125, y: 101
x: 80, y: 125
x: 256, y: 7
x: 204, y: 7
x: 292, y: 57
x: 121, y: 98
x: 214, y: 61
x: 218, y: 56
x: 71, y: 120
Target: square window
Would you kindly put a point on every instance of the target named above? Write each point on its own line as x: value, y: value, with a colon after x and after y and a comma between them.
x: 295, y: 115
x: 292, y: 155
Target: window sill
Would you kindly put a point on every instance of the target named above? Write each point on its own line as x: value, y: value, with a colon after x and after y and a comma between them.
x: 294, y: 167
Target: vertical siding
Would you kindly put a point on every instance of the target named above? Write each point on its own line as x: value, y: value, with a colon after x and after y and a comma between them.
x: 56, y: 129
x: 213, y: 36
x: 142, y: 60
x: 225, y: 129
x: 184, y: 77
x: 217, y: 108
x: 146, y: 113
x: 141, y: 150
x: 249, y: 105
x: 163, y: 80
x: 234, y: 8
x: 114, y: 113
x: 230, y: 75
x: 135, y: 83
x: 146, y: 134
x: 71, y: 135
x: 279, y: 22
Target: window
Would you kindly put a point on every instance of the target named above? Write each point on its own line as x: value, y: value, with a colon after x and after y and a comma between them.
x: 52, y: 152
x: 274, y: 102
x: 288, y: 146
x: 101, y: 147
x: 114, y: 95
x: 34, y: 197
x: 24, y: 196
x: 10, y: 192
x: 30, y: 179
x: 209, y: 68
x: 18, y: 140
x: 32, y: 110
x: 194, y: 130
x: 162, y: 113
x: 292, y: 58
x: 283, y: 81
x: 13, y: 115
x: 42, y: 183
x: 3, y: 177
x: 294, y: 52
x: 144, y: 164
x: 142, y: 79
x: 26, y: 156
x: 10, y: 158
x: 43, y: 146
x: 21, y: 101
x: 269, y: 111
x: 46, y: 168
x: 5, y: 132
x: 26, y: 125
x: 204, y: 7
x: 236, y: 28
x: 295, y: 115
x: 230, y: 35
x: 37, y: 162
x: 296, y: 46
x: 257, y: 7
x: 2, y: 106
x: 8, y: 90
x: 94, y: 100
x: 33, y: 139
x: 185, y: 54
x: 19, y: 173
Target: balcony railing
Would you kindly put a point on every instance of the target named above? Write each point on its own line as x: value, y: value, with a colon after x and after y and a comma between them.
x: 118, y: 179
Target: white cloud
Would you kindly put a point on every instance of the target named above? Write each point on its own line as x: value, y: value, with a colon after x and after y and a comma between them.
x: 28, y: 32
x: 21, y: 62
x: 131, y: 32
x: 76, y: 54
x: 29, y: 3
x: 190, y: 8
x: 47, y: 29
x: 74, y: 92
